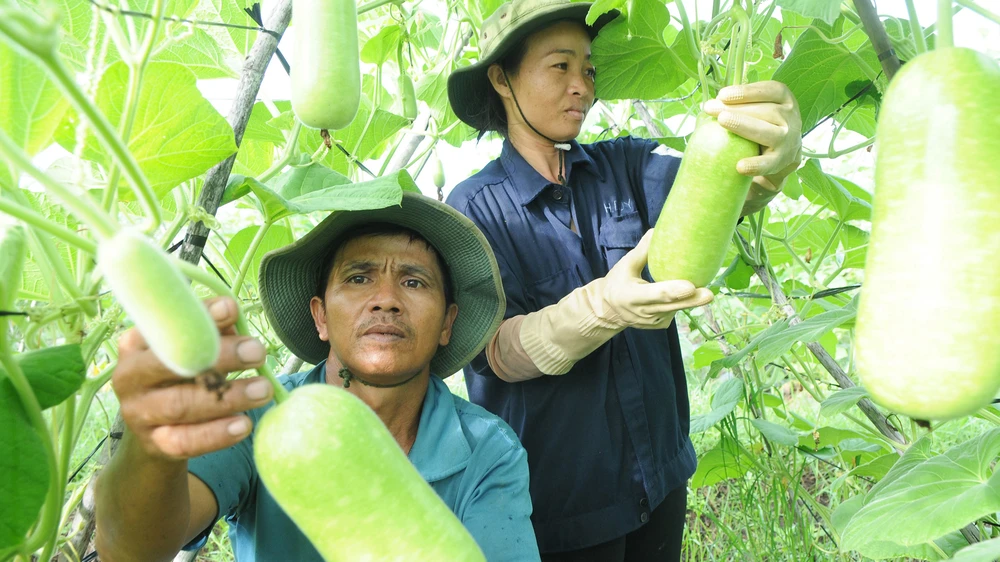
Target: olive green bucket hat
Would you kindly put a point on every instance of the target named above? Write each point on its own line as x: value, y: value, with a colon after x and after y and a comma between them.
x: 511, y: 23
x: 289, y: 277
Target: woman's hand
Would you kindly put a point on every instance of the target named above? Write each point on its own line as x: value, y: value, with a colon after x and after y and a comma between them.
x: 767, y: 114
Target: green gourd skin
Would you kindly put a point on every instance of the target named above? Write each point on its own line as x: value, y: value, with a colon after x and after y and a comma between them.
x: 326, y: 70
x: 928, y: 322
x: 407, y: 97
x: 699, y: 217
x: 334, y: 468
x: 438, y: 173
x: 169, y: 315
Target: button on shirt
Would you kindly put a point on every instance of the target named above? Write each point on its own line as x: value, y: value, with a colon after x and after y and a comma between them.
x: 607, y: 441
x: 470, y: 457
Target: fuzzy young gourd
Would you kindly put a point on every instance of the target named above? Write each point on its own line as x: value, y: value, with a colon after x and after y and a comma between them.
x: 161, y: 302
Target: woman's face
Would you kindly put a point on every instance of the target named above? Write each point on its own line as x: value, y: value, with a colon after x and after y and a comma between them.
x: 554, y: 84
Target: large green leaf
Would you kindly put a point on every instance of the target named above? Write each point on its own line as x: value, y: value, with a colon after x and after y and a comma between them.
x: 986, y: 551
x: 819, y: 74
x: 24, y: 473
x: 276, y: 237
x: 776, y: 433
x: 726, y: 397
x: 884, y: 549
x: 54, y: 373
x: 31, y: 107
x: 724, y: 462
x: 260, y: 127
x: 232, y: 12
x: 177, y: 134
x: 706, y: 353
x: 775, y: 345
x: 313, y: 187
x: 929, y: 496
x: 826, y: 10
x: 382, y: 46
x: 632, y: 58
x: 842, y: 400
x: 731, y: 361
x: 823, y: 188
x: 199, y: 53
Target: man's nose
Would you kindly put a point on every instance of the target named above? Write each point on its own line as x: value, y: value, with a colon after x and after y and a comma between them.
x: 386, y: 297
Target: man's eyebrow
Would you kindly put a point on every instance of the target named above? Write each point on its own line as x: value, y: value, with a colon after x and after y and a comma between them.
x: 358, y: 265
x: 414, y: 269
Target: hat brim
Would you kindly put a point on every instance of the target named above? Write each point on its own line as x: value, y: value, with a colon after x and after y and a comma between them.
x: 289, y: 276
x: 469, y: 87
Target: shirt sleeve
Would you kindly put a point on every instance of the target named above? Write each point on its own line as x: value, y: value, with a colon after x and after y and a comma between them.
x: 230, y: 474
x: 498, y: 514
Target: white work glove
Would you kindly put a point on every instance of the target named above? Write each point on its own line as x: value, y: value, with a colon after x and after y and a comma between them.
x: 558, y: 336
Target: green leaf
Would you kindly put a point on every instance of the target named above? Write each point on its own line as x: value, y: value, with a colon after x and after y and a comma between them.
x: 927, y: 497
x: 739, y: 278
x: 259, y: 127
x: 819, y: 75
x: 632, y: 58
x: 706, y: 353
x: 231, y: 11
x: 199, y: 53
x: 827, y: 437
x: 986, y: 551
x: 721, y: 463
x: 775, y: 345
x: 601, y: 7
x: 833, y: 191
x: 24, y: 472
x: 54, y: 373
x: 826, y: 10
x: 724, y: 401
x: 842, y: 400
x: 277, y: 236
x: 310, y: 188
x: 31, y: 107
x: 254, y: 158
x: 881, y: 550
x: 855, y: 243
x: 875, y: 468
x: 177, y: 134
x: 382, y: 46
x: 731, y: 361
x: 776, y: 433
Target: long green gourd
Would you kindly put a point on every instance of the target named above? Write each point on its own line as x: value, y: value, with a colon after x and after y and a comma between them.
x: 335, y: 469
x: 697, y: 222
x: 928, y: 328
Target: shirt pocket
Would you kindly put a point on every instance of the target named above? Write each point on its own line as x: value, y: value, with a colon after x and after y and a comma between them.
x: 551, y: 288
x: 618, y: 235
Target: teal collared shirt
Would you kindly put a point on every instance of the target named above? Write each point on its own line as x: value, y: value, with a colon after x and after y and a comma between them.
x: 470, y: 457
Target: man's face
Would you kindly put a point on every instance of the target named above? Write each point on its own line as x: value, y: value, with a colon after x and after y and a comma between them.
x: 384, y: 311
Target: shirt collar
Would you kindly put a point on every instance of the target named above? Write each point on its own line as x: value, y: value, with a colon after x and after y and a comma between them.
x: 441, y: 448
x: 527, y: 182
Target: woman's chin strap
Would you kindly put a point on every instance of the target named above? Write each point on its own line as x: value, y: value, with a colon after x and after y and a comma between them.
x: 562, y: 147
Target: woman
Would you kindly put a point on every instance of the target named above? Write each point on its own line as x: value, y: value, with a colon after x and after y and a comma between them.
x: 607, y: 441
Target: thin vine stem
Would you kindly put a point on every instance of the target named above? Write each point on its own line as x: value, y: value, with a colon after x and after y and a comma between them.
x: 86, y: 210
x: 945, y: 36
x: 35, y: 220
x: 918, y: 34
x: 971, y: 5
x: 248, y: 257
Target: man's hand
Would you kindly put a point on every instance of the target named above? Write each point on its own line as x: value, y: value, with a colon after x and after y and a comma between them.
x: 767, y: 114
x: 631, y: 301
x: 174, y: 418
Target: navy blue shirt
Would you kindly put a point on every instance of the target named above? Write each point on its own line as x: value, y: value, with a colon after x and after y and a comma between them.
x: 607, y: 441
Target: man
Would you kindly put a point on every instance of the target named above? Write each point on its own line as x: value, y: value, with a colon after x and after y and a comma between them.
x: 385, y: 303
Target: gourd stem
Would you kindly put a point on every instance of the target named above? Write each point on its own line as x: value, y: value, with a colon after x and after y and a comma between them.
x: 740, y: 15
x: 35, y: 220
x: 979, y: 10
x: 248, y: 257
x: 86, y: 210
x: 915, y: 29
x: 215, y: 284
x: 945, y: 38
